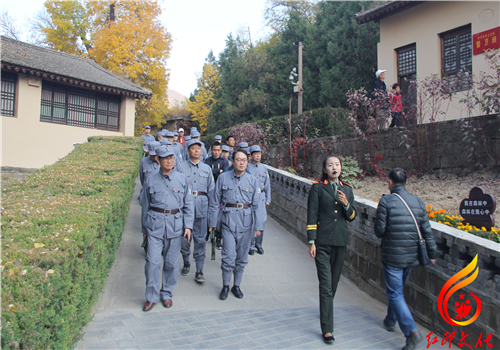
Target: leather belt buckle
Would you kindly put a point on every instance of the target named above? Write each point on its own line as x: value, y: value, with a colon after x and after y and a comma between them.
x: 194, y: 193
x: 239, y: 206
x: 167, y: 211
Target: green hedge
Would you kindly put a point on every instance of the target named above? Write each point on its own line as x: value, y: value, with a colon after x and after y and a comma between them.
x: 322, y: 122
x: 60, y: 230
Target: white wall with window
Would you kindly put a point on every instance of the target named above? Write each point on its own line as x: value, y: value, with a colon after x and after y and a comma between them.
x: 41, y: 120
x: 439, y: 33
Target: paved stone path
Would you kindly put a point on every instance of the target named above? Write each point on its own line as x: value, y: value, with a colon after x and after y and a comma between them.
x: 279, y: 309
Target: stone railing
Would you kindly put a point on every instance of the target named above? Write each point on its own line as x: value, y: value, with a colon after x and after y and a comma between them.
x: 363, y: 263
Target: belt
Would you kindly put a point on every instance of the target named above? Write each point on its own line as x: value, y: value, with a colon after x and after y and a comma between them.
x: 165, y: 211
x: 239, y: 205
x: 199, y: 193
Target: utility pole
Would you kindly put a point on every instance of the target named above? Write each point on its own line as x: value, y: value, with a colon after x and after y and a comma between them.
x: 300, y: 79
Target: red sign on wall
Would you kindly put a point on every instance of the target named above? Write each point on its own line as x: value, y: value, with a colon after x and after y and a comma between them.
x: 489, y: 39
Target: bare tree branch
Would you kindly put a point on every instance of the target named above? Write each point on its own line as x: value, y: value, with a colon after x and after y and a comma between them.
x: 9, y: 26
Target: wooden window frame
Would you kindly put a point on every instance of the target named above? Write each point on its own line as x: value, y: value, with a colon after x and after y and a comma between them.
x: 68, y: 105
x: 8, y: 94
x: 460, y: 36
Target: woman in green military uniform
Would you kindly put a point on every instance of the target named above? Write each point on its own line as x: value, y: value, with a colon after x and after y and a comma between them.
x: 330, y: 206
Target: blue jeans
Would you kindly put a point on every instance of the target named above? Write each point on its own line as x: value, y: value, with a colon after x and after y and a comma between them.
x: 395, y: 280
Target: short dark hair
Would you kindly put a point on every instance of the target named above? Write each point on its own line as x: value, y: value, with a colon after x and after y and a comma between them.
x: 398, y: 176
x: 215, y: 143
x: 394, y: 86
x: 239, y: 151
x: 227, y: 138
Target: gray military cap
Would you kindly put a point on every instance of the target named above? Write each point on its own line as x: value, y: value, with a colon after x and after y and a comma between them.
x: 147, y: 127
x: 187, y: 138
x: 226, y: 148
x: 169, y: 134
x: 164, y: 151
x: 243, y: 144
x: 194, y: 142
x: 176, y: 133
x: 195, y: 133
x: 165, y: 142
x: 255, y: 148
x: 152, y: 146
x: 218, y: 137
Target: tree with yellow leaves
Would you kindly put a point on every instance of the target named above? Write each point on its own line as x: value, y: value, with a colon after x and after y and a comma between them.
x: 203, y: 99
x: 125, y: 37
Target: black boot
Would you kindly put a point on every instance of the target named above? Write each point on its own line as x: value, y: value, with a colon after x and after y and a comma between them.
x: 224, y: 292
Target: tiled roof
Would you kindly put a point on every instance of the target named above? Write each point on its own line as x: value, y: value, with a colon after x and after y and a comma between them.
x: 60, y: 65
x: 389, y: 8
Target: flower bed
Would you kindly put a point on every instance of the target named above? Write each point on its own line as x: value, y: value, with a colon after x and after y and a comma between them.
x: 443, y: 217
x: 60, y: 230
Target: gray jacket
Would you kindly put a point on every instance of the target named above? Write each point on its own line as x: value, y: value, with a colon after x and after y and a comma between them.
x: 167, y: 192
x: 200, y: 178
x: 234, y: 219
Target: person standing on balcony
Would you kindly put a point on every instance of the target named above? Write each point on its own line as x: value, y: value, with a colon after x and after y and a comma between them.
x: 397, y: 111
x: 330, y: 207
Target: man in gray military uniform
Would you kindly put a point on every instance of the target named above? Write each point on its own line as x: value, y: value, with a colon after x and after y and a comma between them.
x: 167, y: 214
x: 195, y: 135
x: 201, y: 182
x: 240, y: 220
x: 149, y: 165
x: 258, y: 170
x: 147, y: 139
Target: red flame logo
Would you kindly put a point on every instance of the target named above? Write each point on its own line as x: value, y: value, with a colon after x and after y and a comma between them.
x: 464, y: 306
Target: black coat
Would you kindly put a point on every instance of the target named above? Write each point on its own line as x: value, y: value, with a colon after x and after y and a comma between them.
x: 327, y: 218
x: 397, y: 229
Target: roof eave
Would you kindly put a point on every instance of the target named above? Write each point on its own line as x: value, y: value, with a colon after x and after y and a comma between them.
x: 384, y: 11
x: 73, y: 81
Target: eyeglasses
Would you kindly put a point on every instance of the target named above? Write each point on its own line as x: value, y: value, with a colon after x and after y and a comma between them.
x: 241, y: 160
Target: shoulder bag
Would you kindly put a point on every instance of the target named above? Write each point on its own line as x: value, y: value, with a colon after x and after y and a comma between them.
x: 423, y: 257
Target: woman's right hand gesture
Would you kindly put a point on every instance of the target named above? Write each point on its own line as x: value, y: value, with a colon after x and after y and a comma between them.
x: 312, y: 250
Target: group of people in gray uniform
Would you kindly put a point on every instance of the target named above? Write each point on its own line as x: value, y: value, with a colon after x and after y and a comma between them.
x: 187, y: 192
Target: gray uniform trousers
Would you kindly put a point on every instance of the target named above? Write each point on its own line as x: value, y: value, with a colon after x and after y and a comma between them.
x: 171, y: 251
x: 235, y: 247
x: 198, y: 235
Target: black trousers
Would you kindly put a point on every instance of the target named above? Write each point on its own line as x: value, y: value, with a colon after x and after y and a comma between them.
x: 329, y: 262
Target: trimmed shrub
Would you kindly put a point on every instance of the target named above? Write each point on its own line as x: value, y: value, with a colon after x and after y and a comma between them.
x: 60, y: 230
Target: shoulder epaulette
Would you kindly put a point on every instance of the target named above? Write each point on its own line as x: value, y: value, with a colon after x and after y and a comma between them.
x: 345, y: 183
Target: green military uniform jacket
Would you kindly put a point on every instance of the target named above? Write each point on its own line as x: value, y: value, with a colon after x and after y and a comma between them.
x: 326, y: 217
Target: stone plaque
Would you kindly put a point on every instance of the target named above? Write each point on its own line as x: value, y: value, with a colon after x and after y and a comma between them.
x: 478, y: 209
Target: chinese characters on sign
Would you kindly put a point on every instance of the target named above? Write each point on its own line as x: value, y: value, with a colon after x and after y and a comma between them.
x: 489, y: 39
x: 478, y: 209
x: 462, y: 342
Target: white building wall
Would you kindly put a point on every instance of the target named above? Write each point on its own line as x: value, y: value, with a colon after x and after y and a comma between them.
x: 29, y: 143
x: 422, y: 25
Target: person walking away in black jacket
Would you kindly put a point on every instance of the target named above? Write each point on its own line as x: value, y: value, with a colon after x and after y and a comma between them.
x: 395, y: 225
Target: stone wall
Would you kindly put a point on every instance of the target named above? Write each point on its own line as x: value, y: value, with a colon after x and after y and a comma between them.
x: 364, y: 267
x: 447, y: 149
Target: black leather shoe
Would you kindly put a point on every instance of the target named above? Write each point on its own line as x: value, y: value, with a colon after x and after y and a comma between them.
x: 250, y: 252
x: 224, y: 292
x: 237, y: 292
x: 328, y: 339
x: 260, y: 250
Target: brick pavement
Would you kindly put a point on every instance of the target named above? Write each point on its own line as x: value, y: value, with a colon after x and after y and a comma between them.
x: 279, y: 309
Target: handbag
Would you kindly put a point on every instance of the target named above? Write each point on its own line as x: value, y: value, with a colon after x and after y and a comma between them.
x: 423, y: 256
